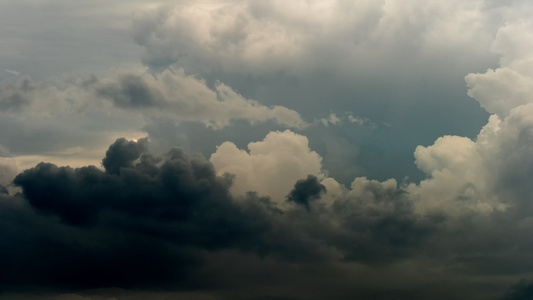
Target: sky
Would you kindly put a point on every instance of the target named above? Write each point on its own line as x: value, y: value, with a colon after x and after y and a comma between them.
x: 268, y: 150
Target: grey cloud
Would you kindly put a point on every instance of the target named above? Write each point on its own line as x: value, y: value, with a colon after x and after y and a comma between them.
x: 47, y: 108
x: 173, y: 94
x: 122, y: 154
x: 14, y: 97
x: 306, y: 190
x: 130, y: 91
x: 380, y: 224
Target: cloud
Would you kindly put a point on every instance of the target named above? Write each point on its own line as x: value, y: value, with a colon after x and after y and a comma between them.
x: 489, y: 173
x: 253, y: 35
x: 122, y: 154
x: 384, y: 61
x: 306, y: 190
x: 271, y: 166
x: 171, y: 94
x: 15, y: 97
x: 135, y: 219
x: 155, y: 220
x: 332, y: 119
x: 498, y: 91
x: 185, y: 98
x: 182, y: 221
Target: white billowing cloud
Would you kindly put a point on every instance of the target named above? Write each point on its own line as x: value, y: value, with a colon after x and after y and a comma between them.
x: 457, y: 180
x: 514, y: 41
x: 500, y: 90
x: 450, y: 152
x: 271, y: 167
x: 185, y: 98
x: 495, y: 171
x: 511, y: 85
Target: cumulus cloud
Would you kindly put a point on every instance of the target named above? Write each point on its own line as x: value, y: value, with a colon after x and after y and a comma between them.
x: 271, y: 166
x: 491, y: 172
x: 509, y: 86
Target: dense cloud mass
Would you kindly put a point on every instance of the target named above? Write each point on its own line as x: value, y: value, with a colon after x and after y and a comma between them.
x: 161, y: 221
x: 360, y: 169
x: 149, y: 219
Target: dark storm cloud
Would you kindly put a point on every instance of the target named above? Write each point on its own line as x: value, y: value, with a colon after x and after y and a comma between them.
x: 122, y: 154
x: 174, y: 187
x: 132, y: 225
x: 40, y: 251
x: 379, y: 224
x: 306, y: 190
x: 150, y: 220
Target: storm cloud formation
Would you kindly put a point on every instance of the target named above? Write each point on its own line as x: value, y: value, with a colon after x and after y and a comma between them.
x: 135, y: 219
x: 165, y: 221
x: 149, y: 219
x: 341, y: 157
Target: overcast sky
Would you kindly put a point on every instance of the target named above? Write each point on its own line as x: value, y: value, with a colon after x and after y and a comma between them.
x: 243, y: 149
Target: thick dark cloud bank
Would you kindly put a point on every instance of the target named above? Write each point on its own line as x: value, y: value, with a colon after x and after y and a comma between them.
x: 167, y: 224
